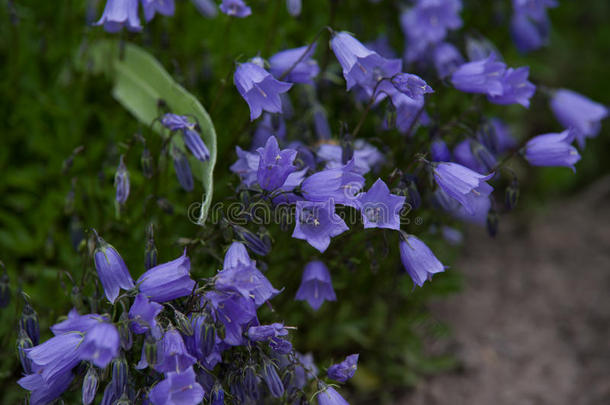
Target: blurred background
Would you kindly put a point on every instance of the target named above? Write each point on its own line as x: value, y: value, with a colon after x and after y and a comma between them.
x: 522, y: 318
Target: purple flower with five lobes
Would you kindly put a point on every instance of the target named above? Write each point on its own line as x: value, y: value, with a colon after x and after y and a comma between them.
x: 317, y: 222
x: 77, y: 323
x: 120, y: 13
x: 362, y: 66
x: 101, y: 344
x: 515, y: 88
x: 303, y: 72
x: 167, y: 281
x: 528, y: 34
x: 143, y: 314
x: 446, y: 59
x: 380, y: 208
x: 235, y: 8
x: 316, y: 285
x: 57, y: 356
x: 259, y: 88
x: 248, y: 281
x: 439, y: 152
x: 429, y: 21
x: 111, y: 269
x: 329, y: 396
x: 164, y: 7
x: 418, y: 260
x: 266, y: 332
x: 235, y: 312
x: 481, y: 76
x: 411, y: 85
x: 172, y: 354
x: 246, y: 166
x: 340, y: 185
x: 275, y: 165
x: 461, y: 184
x: 345, y: 370
x: 576, y: 111
x: 552, y: 150
x: 121, y: 182
x: 178, y: 388
x: 45, y: 392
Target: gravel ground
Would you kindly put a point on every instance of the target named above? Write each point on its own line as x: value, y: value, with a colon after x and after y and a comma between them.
x: 532, y: 325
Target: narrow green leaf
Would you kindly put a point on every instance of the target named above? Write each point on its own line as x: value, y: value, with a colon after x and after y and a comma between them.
x: 140, y: 83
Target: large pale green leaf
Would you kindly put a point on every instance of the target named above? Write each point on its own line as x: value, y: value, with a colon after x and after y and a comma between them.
x: 140, y: 83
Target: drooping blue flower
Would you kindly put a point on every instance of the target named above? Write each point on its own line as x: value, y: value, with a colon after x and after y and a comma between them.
x: 246, y: 166
x: 482, y: 76
x: 316, y: 285
x: 341, y: 185
x: 552, y: 150
x: 474, y: 156
x: 121, y: 182
x: 479, y: 48
x: 235, y: 8
x: 275, y: 165
x: 461, y: 184
x: 303, y: 72
x: 182, y: 169
x: 236, y: 257
x: 175, y: 122
x: 266, y: 332
x: 259, y: 88
x: 294, y: 7
x: 120, y: 13
x: 418, y: 260
x: 43, y: 392
x: 515, y: 88
x: 345, y: 370
x: 178, y: 388
x: 77, y: 323
x: 439, y: 152
x: 193, y: 141
x: 479, y: 207
x: 411, y: 85
x: 111, y: 270
x: 269, y: 125
x: 206, y: 8
x: 143, y: 313
x: 496, y: 136
x: 576, y: 111
x: 90, y: 384
x: 446, y: 59
x: 317, y: 223
x: 101, y: 344
x: 527, y: 33
x: 380, y: 208
x: 167, y: 281
x: 164, y: 7
x: 329, y: 396
x: 362, y: 66
x: 173, y: 357
x: 235, y: 312
x: 248, y: 281
x: 272, y: 379
x: 535, y: 9
x: 366, y: 156
x: 57, y: 356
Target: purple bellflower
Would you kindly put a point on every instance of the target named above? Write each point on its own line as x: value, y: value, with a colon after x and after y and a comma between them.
x: 266, y: 332
x: 380, y: 208
x: 101, y: 344
x: 275, y: 165
x: 235, y: 312
x: 411, y: 85
x: 362, y: 66
x: 515, y: 88
x: 182, y: 169
x: 535, y: 9
x: 529, y: 34
x: 120, y: 13
x: 294, y: 7
x: 446, y: 59
x: 341, y: 185
x: 235, y: 8
x: 552, y: 150
x: 193, y: 141
x: 576, y: 111
x: 246, y: 166
x: 329, y: 396
x: 418, y: 260
x: 143, y: 313
x: 429, y: 20
x: 121, y: 182
x: 259, y: 88
x: 237, y: 256
x: 45, y: 392
x: 316, y: 285
x: 178, y: 388
x: 482, y: 76
x: 248, y: 281
x: 164, y: 7
x: 111, y: 270
x: 173, y: 355
x: 175, y: 122
x: 439, y: 152
x: 167, y: 281
x: 57, y: 356
x: 345, y: 370
x: 317, y: 222
x: 303, y: 72
x: 461, y: 184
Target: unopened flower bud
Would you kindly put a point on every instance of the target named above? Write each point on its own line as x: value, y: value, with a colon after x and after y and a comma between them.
x: 119, y: 374
x: 125, y: 332
x: 257, y: 244
x: 512, y: 194
x: 150, y: 254
x: 90, y: 383
x: 183, y: 324
x: 146, y: 162
x: 121, y: 182
x: 251, y: 382
x: 29, y: 322
x: 347, y: 148
x: 183, y: 169
x: 483, y: 156
x: 24, y: 342
x: 492, y: 222
x: 272, y: 379
x: 150, y: 350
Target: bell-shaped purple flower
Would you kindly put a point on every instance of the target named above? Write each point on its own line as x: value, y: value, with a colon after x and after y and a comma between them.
x: 341, y: 185
x: 266, y: 332
x: 164, y: 7
x: 529, y: 34
x: 175, y: 122
x: 44, y: 392
x: 380, y: 208
x: 317, y: 222
x: 182, y: 169
x: 316, y: 285
x: 439, y: 152
x: 77, y: 323
x: 235, y: 312
x: 57, y: 356
x: 345, y: 370
x: 482, y: 76
x: 446, y: 59
x: 168, y: 281
x: 429, y: 21
x: 362, y: 66
x: 259, y: 88
x: 411, y: 85
x: 272, y: 379
x: 178, y: 388
x: 576, y: 111
x: 552, y: 150
x: 535, y: 9
x: 302, y: 72
x: 235, y: 8
x: 515, y: 88
x: 246, y: 166
x: 172, y: 354
x: 462, y: 184
x: 101, y: 344
x: 121, y: 182
x: 329, y: 396
x: 418, y: 260
x: 111, y: 270
x: 237, y: 256
x: 193, y: 141
x: 119, y: 14
x: 248, y: 281
x: 143, y: 313
x: 275, y: 165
